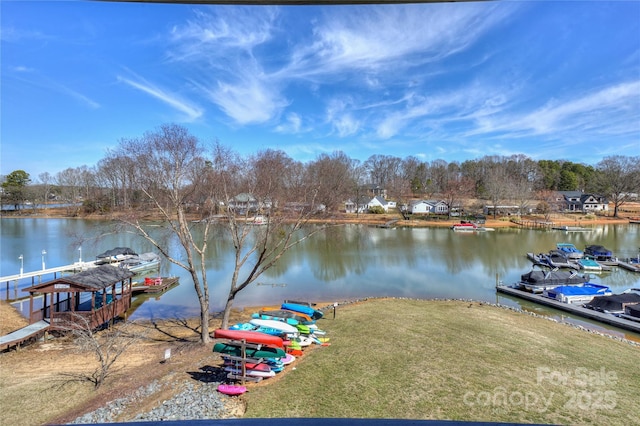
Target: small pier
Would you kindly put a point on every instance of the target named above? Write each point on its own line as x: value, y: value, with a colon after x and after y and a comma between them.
x: 573, y: 309
x: 389, y: 224
x: 154, y: 285
x: 633, y: 267
x: 37, y: 276
x: 533, y: 224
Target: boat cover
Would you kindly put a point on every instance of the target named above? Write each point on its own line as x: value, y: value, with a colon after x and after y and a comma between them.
x: 538, y: 277
x: 633, y: 310
x: 118, y: 251
x: 596, y: 250
x: 578, y: 290
x: 613, y: 303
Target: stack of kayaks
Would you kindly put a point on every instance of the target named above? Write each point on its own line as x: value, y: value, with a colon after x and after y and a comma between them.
x: 271, y: 340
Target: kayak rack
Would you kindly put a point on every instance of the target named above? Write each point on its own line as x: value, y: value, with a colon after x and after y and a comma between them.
x: 243, y: 361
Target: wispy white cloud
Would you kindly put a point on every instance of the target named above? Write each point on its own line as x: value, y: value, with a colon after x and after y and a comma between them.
x: 341, y: 119
x: 13, y: 34
x: 79, y: 97
x: 292, y: 124
x: 221, y: 34
x: 192, y: 112
x: 248, y: 99
x: 377, y: 38
x: 32, y: 77
x: 22, y: 69
x: 611, y: 110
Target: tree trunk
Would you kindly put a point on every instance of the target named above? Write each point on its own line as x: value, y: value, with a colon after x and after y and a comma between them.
x: 227, y: 311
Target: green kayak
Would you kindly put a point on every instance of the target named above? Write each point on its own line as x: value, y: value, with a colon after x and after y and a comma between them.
x: 235, y: 350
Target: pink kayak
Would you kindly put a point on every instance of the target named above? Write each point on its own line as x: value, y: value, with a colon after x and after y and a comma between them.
x: 232, y: 389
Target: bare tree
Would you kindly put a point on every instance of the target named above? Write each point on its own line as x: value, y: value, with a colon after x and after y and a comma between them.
x: 331, y: 176
x: 494, y: 185
x: 272, y: 176
x: 619, y: 177
x: 169, y: 166
x: 46, y: 181
x: 107, y: 346
x: 176, y: 177
x: 547, y: 203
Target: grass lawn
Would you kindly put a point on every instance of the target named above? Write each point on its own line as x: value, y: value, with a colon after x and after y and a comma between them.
x: 457, y: 361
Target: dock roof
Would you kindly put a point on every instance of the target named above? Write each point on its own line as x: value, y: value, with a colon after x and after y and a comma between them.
x: 93, y: 279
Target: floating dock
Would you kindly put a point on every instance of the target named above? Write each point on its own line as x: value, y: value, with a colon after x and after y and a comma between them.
x: 154, y: 285
x: 573, y: 309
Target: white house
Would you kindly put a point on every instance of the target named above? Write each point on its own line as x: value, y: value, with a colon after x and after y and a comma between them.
x: 428, y: 206
x: 578, y: 201
x: 378, y: 202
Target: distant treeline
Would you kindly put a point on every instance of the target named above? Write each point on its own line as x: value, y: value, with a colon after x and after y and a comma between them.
x: 113, y: 183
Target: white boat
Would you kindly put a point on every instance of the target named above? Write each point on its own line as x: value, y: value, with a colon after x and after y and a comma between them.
x: 589, y: 265
x: 470, y: 227
x: 577, y: 294
x: 570, y: 250
x: 126, y: 258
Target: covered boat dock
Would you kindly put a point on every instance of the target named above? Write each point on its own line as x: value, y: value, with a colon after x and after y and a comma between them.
x: 98, y: 295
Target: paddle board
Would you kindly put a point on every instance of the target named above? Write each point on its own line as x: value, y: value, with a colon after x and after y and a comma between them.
x: 278, y: 325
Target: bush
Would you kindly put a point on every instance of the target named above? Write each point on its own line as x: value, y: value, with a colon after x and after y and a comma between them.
x: 376, y: 210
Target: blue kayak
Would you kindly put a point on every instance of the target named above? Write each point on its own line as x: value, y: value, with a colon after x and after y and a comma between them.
x: 307, y: 310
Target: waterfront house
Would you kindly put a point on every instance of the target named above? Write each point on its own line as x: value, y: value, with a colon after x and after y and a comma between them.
x: 578, y: 201
x: 428, y: 206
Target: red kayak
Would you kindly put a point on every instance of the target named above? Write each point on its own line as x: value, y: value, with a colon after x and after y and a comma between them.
x: 249, y: 336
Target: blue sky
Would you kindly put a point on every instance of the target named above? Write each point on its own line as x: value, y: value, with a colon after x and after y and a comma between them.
x: 451, y: 81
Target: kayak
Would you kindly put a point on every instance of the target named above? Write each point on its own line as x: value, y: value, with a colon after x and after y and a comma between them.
x: 290, y: 317
x: 249, y: 336
x: 232, y: 389
x: 265, y: 351
x: 278, y: 325
x: 249, y: 372
x: 307, y: 310
x: 249, y: 365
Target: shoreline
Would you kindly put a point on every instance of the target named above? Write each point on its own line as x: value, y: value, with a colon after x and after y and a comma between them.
x: 573, y: 219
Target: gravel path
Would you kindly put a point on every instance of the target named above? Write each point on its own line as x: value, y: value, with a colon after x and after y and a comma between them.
x: 197, y: 400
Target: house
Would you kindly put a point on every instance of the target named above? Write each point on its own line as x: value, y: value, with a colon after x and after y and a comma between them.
x: 243, y: 203
x: 361, y: 205
x: 428, y: 206
x: 374, y: 190
x: 378, y: 202
x: 578, y: 201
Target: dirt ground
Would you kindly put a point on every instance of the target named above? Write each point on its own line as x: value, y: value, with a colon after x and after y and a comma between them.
x: 42, y: 369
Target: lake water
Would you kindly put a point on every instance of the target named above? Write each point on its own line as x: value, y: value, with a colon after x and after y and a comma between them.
x: 341, y: 263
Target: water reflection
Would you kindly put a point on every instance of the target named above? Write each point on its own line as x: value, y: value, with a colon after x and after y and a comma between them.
x: 337, y: 263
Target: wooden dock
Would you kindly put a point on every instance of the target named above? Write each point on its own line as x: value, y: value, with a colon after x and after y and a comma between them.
x: 633, y: 267
x: 389, y: 224
x: 157, y: 285
x: 573, y: 309
x: 533, y: 224
x: 18, y: 337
